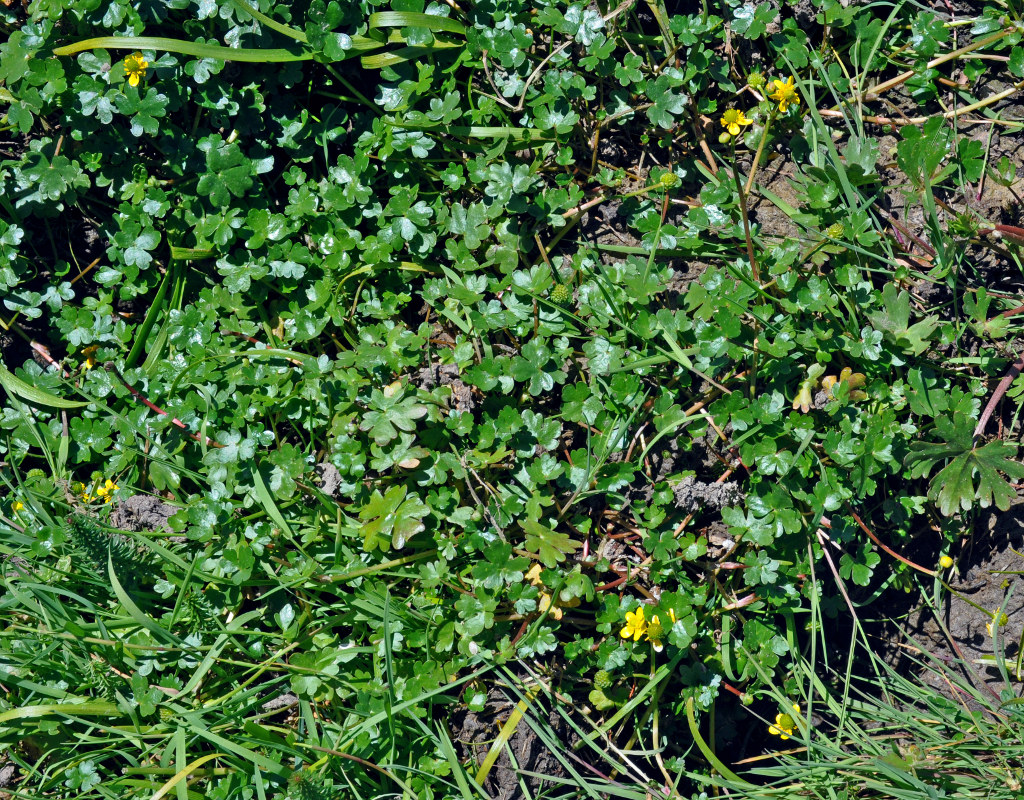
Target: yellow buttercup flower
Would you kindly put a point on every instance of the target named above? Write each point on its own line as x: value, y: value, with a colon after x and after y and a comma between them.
x: 106, y: 490
x: 655, y: 632
x: 636, y: 625
x: 784, y: 724
x: 785, y: 94
x: 16, y: 506
x: 733, y: 119
x: 135, y: 68
x: 90, y: 356
x: 945, y: 562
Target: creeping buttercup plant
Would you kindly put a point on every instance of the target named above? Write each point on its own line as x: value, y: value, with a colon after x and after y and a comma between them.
x: 394, y: 357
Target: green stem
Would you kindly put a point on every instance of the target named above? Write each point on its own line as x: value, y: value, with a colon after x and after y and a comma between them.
x: 709, y: 754
x: 760, y: 149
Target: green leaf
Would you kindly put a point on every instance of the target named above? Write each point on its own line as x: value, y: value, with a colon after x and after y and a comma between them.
x: 860, y: 568
x: 666, y: 105
x: 392, y: 519
x: 925, y: 394
x: 228, y: 173
x: 551, y: 546
x: 893, y: 320
x: 977, y: 304
x: 928, y: 34
x: 143, y: 109
x: 411, y: 19
x: 922, y: 151
x: 629, y: 70
x: 256, y: 55
x: 751, y: 21
x: 1016, y: 62
x: 971, y: 153
x: 583, y: 24
x: 390, y: 413
x: 972, y: 474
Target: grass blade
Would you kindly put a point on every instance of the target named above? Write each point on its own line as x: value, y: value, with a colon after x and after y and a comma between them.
x: 16, y: 387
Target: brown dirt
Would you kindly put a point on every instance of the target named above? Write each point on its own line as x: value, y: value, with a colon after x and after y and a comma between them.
x: 142, y: 513
x: 473, y: 735
x: 984, y: 579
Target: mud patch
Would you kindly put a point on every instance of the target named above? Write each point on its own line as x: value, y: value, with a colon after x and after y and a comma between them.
x: 328, y: 478
x: 474, y: 733
x: 435, y: 375
x: 8, y: 772
x: 693, y: 495
x: 985, y: 579
x: 141, y: 512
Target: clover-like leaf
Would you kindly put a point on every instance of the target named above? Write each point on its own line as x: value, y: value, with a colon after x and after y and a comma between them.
x: 228, y: 171
x: 144, y: 110
x: 390, y: 413
x: 666, y: 104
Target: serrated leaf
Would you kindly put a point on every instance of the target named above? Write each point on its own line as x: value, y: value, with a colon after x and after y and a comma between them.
x: 551, y: 546
x: 924, y: 394
x: 894, y: 317
x: 392, y: 518
x: 922, y: 151
x: 973, y: 473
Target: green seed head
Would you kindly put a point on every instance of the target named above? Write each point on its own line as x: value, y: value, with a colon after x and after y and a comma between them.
x: 561, y: 294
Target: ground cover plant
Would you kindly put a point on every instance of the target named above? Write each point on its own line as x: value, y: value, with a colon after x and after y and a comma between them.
x: 497, y: 398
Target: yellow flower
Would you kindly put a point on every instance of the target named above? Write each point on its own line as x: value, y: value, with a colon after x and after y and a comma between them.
x: 733, y: 119
x: 655, y: 631
x: 785, y: 94
x: 90, y: 356
x: 106, y: 490
x: 945, y: 562
x: 784, y: 724
x: 135, y: 68
x: 636, y: 625
x: 16, y: 506
x: 989, y: 626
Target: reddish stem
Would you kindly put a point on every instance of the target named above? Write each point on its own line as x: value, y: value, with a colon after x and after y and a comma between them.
x: 887, y: 549
x: 109, y: 367
x: 997, y: 395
